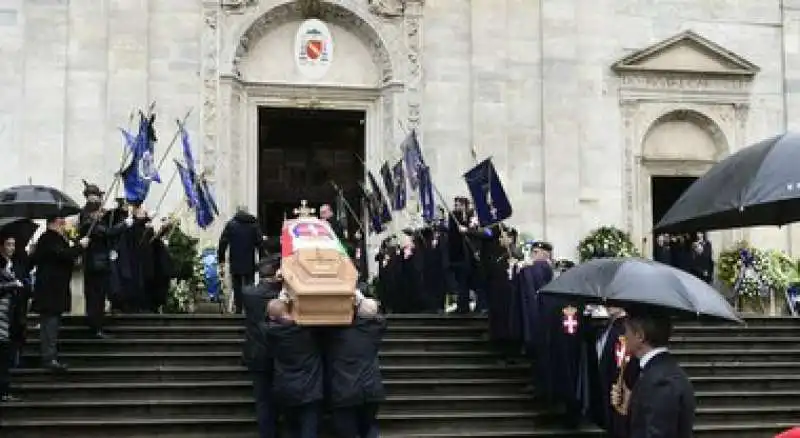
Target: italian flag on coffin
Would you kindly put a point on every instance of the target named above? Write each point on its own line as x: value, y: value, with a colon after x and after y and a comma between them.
x: 308, y: 233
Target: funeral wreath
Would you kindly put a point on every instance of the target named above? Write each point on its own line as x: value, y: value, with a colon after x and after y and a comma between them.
x: 606, y: 242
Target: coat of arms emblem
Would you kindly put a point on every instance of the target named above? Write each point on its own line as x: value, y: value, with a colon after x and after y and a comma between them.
x: 570, y: 321
x: 314, y: 48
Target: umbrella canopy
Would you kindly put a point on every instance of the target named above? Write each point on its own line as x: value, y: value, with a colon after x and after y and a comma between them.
x: 36, y: 202
x: 759, y: 185
x: 635, y: 281
x: 20, y: 228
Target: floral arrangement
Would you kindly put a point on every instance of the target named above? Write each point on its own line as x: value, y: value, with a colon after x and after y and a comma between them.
x: 606, y: 242
x: 71, y: 231
x: 188, y: 283
x: 754, y: 272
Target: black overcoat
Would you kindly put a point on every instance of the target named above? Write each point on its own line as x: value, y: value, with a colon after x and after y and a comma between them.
x: 298, y: 378
x: 662, y: 402
x: 351, y: 358
x: 54, y: 259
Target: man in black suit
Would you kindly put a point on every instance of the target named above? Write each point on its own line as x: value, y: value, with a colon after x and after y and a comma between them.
x: 241, y: 237
x: 255, y: 354
x: 353, y: 373
x: 661, y: 404
x: 298, y: 379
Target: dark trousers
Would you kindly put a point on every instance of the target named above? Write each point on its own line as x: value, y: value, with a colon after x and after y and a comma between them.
x: 95, y: 291
x: 265, y: 408
x: 239, y: 282
x: 461, y: 276
x: 5, y: 363
x: 49, y: 325
x: 356, y: 421
x: 302, y: 421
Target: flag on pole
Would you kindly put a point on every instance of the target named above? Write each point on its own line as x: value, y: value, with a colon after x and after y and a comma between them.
x: 412, y: 156
x: 141, y: 171
x: 489, y: 196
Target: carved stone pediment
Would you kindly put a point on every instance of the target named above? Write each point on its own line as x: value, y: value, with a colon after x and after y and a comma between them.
x: 387, y: 8
x: 687, y: 53
x: 237, y: 5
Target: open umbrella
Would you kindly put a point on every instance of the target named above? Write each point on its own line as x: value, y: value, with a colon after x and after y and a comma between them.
x: 22, y: 229
x: 758, y: 185
x: 635, y: 281
x: 36, y: 202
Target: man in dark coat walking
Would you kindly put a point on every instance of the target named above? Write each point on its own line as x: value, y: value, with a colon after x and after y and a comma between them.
x: 255, y: 353
x: 298, y: 377
x: 54, y: 258
x: 662, y: 401
x: 97, y: 265
x: 353, y: 373
x: 242, y: 238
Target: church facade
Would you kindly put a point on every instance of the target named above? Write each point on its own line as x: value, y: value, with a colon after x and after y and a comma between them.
x: 579, y: 103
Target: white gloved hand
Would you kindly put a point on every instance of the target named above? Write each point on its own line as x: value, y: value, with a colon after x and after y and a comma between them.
x: 284, y: 296
x: 129, y: 221
x: 84, y: 242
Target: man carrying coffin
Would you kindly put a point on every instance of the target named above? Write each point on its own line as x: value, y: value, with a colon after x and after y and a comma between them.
x: 298, y: 376
x: 353, y: 373
x: 255, y: 353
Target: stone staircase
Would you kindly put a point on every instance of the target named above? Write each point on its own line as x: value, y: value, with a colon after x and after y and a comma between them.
x: 179, y: 376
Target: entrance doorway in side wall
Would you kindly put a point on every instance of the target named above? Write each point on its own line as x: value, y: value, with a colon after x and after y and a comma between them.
x: 665, y: 191
x: 302, y: 154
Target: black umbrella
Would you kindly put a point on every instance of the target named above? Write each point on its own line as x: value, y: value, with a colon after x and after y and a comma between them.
x: 635, y: 281
x: 759, y: 185
x: 36, y: 202
x: 20, y: 228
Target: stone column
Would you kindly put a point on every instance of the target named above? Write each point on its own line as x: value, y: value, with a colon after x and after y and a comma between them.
x: 45, y: 66
x: 87, y: 153
x: 561, y: 128
x: 11, y: 76
x: 447, y: 125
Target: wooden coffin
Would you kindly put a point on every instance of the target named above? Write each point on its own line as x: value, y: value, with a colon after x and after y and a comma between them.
x: 319, y: 278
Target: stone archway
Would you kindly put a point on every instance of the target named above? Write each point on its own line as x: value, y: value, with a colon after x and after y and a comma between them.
x: 392, y: 100
x: 681, y: 142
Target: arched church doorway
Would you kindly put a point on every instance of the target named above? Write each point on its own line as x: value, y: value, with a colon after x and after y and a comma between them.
x: 311, y: 154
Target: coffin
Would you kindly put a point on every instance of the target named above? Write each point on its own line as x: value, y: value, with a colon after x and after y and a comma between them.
x: 318, y: 275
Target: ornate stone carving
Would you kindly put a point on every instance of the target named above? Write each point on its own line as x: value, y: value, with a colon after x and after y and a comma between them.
x: 413, y: 31
x: 681, y: 81
x: 210, y: 76
x: 629, y: 134
x: 388, y: 123
x: 237, y: 6
x: 327, y: 12
x: 387, y: 8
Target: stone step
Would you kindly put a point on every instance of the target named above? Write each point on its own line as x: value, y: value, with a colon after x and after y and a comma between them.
x: 243, y: 406
x: 201, y: 374
x: 430, y: 425
x: 737, y: 331
x: 210, y: 390
x: 746, y: 383
x: 740, y: 368
x: 739, y: 343
x: 202, y: 346
x: 233, y: 357
x: 187, y: 331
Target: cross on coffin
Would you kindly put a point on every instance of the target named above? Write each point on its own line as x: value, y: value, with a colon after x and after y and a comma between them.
x: 304, y: 210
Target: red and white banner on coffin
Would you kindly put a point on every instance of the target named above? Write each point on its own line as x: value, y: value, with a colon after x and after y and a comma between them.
x: 308, y: 233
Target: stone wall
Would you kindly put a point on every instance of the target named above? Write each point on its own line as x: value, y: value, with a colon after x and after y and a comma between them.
x: 527, y: 82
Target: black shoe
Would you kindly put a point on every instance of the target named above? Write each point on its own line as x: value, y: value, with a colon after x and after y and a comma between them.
x: 101, y: 335
x: 55, y: 365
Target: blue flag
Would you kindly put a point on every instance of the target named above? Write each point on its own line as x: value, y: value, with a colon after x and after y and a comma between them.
x: 206, y: 208
x: 399, y: 181
x: 373, y: 210
x: 388, y: 179
x: 141, y: 171
x: 426, y: 194
x: 188, y: 183
x: 188, y: 156
x: 491, y: 202
x: 412, y: 156
x: 382, y: 207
